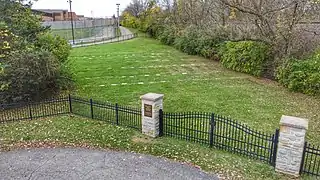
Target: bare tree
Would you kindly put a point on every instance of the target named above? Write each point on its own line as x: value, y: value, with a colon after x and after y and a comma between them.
x: 136, y: 7
x: 166, y: 4
x: 275, y: 20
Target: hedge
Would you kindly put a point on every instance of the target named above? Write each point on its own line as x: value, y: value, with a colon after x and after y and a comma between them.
x: 195, y: 41
x: 167, y: 35
x: 301, y: 75
x: 244, y: 56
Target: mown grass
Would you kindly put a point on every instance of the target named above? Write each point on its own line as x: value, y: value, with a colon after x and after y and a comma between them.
x: 76, y: 131
x: 122, y: 72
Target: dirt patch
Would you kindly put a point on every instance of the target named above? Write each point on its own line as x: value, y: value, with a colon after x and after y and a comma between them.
x: 263, y: 81
x: 142, y: 139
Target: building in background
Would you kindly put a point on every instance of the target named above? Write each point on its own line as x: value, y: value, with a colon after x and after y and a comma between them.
x: 56, y: 14
x: 44, y: 15
x: 81, y: 17
x: 73, y: 15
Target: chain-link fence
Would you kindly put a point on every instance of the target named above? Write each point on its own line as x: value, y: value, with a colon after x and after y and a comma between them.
x: 80, y: 24
x: 84, y: 31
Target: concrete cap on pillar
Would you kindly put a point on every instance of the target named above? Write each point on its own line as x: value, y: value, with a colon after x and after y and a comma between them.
x: 295, y: 122
x: 152, y: 97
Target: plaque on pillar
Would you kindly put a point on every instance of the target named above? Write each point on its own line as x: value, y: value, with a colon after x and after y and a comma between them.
x: 148, y: 110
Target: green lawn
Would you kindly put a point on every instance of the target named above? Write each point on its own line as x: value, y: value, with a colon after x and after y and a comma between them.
x: 65, y: 131
x: 79, y: 33
x: 122, y: 72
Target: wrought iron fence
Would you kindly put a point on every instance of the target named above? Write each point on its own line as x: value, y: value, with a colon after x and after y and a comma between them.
x: 189, y: 126
x: 32, y: 110
x: 311, y: 160
x: 206, y: 128
x: 105, y: 111
x: 221, y: 132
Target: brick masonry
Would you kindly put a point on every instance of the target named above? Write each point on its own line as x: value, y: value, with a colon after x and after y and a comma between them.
x: 291, y: 143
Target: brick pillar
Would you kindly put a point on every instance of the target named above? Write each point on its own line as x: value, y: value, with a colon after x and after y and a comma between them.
x: 291, y: 143
x: 151, y: 105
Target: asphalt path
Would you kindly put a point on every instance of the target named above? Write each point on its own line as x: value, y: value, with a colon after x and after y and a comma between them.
x: 78, y: 163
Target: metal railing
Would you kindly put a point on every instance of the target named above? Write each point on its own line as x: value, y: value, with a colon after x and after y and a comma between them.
x: 104, y: 111
x: 208, y: 129
x: 311, y: 160
x: 222, y: 133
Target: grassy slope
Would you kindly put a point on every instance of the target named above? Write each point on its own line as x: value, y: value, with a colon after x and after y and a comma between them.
x: 207, y: 86
x: 75, y: 131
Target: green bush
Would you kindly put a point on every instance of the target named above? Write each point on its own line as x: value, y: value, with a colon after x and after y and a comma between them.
x: 58, y: 46
x: 61, y: 49
x: 301, y: 75
x: 198, y: 42
x: 244, y: 56
x: 30, y: 75
x: 188, y: 41
x: 208, y: 46
x: 34, y: 63
x: 168, y: 35
x: 154, y: 30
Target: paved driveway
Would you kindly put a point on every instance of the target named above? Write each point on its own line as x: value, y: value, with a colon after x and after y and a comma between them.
x: 92, y: 164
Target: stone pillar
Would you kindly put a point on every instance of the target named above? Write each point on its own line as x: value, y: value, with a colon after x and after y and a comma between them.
x: 291, y: 144
x: 151, y: 105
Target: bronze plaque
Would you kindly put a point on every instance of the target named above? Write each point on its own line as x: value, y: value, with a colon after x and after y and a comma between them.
x: 148, y: 110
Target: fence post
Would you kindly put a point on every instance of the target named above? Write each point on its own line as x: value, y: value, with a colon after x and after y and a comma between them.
x: 161, y: 122
x: 303, y: 156
x: 212, y: 124
x: 30, y: 111
x: 291, y: 145
x: 91, y: 108
x: 70, y: 103
x: 275, y: 147
x: 151, y: 106
x: 117, y: 113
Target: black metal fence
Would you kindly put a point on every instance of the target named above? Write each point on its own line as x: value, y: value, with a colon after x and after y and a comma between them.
x: 105, y: 111
x: 205, y: 128
x: 311, y: 160
x: 223, y: 133
x: 24, y: 111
